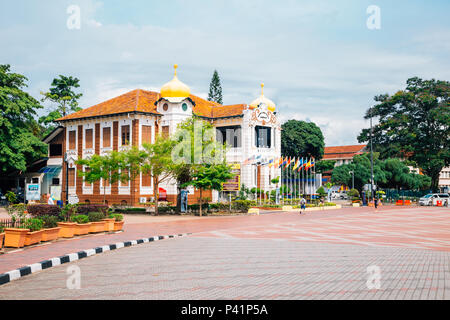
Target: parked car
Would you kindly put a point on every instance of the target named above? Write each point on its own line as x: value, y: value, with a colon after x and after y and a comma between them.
x: 432, y: 198
x: 339, y: 195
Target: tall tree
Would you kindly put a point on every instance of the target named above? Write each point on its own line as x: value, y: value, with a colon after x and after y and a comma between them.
x: 63, y: 95
x: 110, y: 168
x: 210, y: 177
x: 215, y: 88
x: 158, y: 163
x: 324, y: 165
x: 20, y: 142
x: 301, y: 138
x: 195, y: 145
x: 414, y: 123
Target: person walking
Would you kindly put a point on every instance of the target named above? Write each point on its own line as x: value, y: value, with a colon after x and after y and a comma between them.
x: 302, y: 205
x: 375, y: 200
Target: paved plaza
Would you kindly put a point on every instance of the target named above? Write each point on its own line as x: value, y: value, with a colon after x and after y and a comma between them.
x: 320, y: 255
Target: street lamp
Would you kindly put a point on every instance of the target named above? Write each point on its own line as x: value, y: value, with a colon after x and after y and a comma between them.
x: 371, y: 158
x: 353, y: 178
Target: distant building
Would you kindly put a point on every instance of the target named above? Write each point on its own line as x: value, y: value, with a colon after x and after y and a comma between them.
x: 444, y: 180
x: 343, y: 154
x: 136, y: 117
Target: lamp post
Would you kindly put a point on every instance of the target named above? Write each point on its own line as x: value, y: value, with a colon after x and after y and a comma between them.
x: 67, y: 177
x: 371, y: 158
x: 353, y: 178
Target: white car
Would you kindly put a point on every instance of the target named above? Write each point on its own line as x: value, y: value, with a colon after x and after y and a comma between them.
x: 432, y: 198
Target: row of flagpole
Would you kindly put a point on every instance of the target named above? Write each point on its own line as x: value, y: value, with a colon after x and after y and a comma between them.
x: 297, y: 178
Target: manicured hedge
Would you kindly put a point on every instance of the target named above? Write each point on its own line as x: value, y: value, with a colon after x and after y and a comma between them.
x: 38, y: 210
x: 86, y: 208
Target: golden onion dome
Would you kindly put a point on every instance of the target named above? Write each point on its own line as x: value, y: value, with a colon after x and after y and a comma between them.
x: 175, y: 88
x: 262, y: 99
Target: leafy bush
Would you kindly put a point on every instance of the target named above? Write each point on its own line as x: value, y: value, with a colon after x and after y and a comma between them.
x: 16, y: 212
x: 67, y: 212
x: 86, y: 208
x: 50, y: 221
x: 39, y: 210
x: 167, y: 209
x: 34, y: 224
x: 241, y: 205
x: 354, y: 194
x: 95, y: 216
x: 80, y: 219
x: 1, y: 229
x: 116, y: 216
x: 11, y: 196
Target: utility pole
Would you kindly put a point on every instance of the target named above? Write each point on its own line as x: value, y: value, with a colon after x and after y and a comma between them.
x: 371, y: 158
x: 353, y: 179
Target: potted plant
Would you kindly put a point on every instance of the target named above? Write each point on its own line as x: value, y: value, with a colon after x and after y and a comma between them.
x: 2, y: 236
x: 67, y: 227
x: 51, y: 229
x: 97, y: 225
x: 109, y: 223
x: 82, y: 224
x: 34, y: 235
x: 118, y: 223
x: 15, y: 236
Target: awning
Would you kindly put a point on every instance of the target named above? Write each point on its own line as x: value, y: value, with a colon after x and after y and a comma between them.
x: 51, y: 170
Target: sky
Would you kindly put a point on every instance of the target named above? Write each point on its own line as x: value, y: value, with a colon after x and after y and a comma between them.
x: 318, y: 59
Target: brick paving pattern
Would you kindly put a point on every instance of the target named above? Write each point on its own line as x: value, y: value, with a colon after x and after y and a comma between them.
x: 275, y: 256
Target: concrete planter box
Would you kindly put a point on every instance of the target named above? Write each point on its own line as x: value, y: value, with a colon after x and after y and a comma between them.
x: 15, y: 237
x: 118, y: 225
x: 33, y: 237
x: 81, y: 229
x: 356, y: 205
x: 50, y: 234
x: 109, y: 224
x: 97, y: 227
x: 253, y: 210
x: 67, y: 229
x: 2, y: 236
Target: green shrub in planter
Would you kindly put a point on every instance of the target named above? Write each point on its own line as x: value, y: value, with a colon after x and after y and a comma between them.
x: 1, y: 229
x: 95, y: 216
x: 80, y: 219
x: 86, y: 208
x: 50, y: 221
x: 39, y: 210
x: 34, y: 224
x: 116, y: 216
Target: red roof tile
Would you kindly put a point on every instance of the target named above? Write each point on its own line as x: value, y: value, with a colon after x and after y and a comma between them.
x: 144, y: 101
x: 341, y: 152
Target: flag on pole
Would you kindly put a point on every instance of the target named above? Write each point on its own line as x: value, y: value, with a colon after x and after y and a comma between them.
x: 302, y: 164
x: 296, y: 164
x: 283, y: 162
x: 288, y: 162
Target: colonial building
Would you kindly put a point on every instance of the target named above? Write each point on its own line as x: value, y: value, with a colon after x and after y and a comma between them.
x: 251, y: 130
x: 343, y: 154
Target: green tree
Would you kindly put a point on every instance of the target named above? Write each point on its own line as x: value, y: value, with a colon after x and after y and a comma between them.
x: 399, y: 176
x: 158, y: 163
x: 414, y: 123
x: 361, y: 168
x: 195, y: 145
x: 210, y: 177
x: 324, y: 165
x: 111, y: 168
x: 20, y: 134
x: 215, y: 88
x: 62, y: 94
x: 301, y: 138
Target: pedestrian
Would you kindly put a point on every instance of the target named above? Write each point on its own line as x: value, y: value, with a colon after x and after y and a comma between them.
x: 376, y: 203
x: 302, y: 205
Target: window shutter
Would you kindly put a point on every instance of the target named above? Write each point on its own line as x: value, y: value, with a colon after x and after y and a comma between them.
x: 106, y: 137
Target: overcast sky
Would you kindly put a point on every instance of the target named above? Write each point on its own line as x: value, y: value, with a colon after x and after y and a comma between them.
x: 318, y: 59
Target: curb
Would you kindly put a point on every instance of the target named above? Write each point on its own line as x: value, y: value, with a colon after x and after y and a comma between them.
x: 53, y: 262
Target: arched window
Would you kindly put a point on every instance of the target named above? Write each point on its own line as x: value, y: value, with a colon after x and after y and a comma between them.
x: 165, y: 107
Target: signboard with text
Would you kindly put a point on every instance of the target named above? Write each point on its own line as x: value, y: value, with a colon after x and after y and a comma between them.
x: 233, y: 184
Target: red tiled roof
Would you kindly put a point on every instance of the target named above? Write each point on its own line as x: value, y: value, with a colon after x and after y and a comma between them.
x: 343, y: 152
x: 144, y: 101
